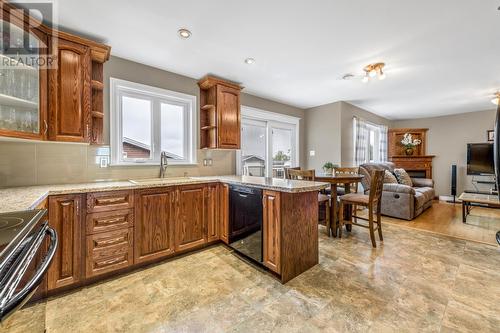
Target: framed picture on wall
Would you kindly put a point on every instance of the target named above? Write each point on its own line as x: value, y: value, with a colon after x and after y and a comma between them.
x: 491, y: 135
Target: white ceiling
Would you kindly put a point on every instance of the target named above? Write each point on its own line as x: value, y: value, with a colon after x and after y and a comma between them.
x: 443, y: 57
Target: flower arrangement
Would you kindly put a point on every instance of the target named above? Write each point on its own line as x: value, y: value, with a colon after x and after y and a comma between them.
x: 409, y: 143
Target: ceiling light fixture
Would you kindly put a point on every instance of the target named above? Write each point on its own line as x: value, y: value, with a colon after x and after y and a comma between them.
x: 184, y: 33
x: 374, y: 70
x: 496, y: 99
x: 249, y: 61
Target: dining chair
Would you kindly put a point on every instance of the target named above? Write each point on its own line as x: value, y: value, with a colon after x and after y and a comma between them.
x: 323, y: 199
x: 286, y: 171
x: 372, y: 201
x: 348, y: 171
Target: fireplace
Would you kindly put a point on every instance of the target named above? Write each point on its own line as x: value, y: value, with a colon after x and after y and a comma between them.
x: 418, y: 165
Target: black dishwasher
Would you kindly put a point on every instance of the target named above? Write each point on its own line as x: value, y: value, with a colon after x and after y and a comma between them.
x: 245, y: 221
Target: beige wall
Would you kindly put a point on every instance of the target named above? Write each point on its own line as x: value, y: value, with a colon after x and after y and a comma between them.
x: 36, y: 163
x: 323, y: 135
x: 350, y: 111
x: 447, y: 139
x: 329, y: 133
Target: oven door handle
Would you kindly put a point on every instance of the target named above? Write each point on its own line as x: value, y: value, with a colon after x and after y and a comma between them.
x: 20, y: 297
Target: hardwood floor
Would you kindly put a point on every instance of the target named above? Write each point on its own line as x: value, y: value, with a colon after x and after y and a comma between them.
x: 445, y: 218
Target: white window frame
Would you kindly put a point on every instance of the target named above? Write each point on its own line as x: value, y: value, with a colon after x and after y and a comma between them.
x: 272, y: 120
x: 376, y: 144
x: 119, y: 88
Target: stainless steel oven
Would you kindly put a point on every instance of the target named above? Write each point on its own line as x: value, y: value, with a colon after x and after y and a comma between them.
x: 27, y: 246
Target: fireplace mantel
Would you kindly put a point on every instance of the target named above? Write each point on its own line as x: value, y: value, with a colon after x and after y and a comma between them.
x: 416, y: 166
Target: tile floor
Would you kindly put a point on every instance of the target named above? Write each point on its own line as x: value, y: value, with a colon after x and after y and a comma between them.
x: 415, y: 282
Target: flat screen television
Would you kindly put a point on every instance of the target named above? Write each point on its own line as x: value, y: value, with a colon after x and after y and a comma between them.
x: 480, y: 159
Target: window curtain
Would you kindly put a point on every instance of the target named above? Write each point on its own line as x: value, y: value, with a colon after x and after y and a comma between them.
x: 383, y: 143
x: 360, y: 141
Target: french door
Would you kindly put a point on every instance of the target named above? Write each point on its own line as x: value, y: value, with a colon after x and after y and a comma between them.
x: 267, y: 146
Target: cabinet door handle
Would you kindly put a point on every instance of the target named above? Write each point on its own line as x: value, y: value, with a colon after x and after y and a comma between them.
x: 110, y: 201
x: 111, y: 241
x: 46, y: 127
x: 112, y: 220
x: 109, y: 262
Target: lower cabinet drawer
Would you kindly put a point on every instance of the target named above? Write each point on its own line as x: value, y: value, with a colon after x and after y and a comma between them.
x: 106, y: 201
x: 109, y: 251
x: 109, y: 221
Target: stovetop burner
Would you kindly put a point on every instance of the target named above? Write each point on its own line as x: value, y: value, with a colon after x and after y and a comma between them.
x: 10, y: 222
x: 16, y: 226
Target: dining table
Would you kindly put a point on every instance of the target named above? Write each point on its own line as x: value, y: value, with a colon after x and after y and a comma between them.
x: 335, y: 180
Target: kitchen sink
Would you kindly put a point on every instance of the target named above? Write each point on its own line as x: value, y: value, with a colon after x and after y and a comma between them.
x: 158, y: 180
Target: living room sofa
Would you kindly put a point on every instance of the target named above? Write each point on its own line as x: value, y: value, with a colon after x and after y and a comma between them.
x: 398, y: 200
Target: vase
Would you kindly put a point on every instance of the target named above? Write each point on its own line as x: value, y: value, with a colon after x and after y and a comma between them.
x: 409, y: 151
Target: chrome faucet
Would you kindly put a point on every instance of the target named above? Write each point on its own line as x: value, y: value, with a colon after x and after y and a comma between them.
x: 163, y: 164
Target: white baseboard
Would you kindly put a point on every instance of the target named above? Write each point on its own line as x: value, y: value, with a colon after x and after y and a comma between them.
x: 446, y: 198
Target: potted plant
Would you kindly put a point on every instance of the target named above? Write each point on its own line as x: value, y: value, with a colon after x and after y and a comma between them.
x: 328, y: 168
x: 409, y: 143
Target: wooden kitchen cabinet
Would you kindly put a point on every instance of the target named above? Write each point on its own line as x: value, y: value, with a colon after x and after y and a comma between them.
x: 271, y: 226
x: 154, y: 223
x: 70, y: 93
x: 220, y: 114
x: 65, y: 216
x: 112, y: 200
x: 109, y: 221
x: 23, y: 86
x: 224, y: 213
x: 211, y: 211
x: 62, y: 101
x: 109, y: 251
x: 190, y: 225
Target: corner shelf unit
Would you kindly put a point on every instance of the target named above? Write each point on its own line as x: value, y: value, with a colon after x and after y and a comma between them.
x: 219, y: 114
x: 97, y: 102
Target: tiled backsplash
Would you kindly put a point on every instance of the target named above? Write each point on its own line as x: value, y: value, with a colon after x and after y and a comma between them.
x: 39, y: 163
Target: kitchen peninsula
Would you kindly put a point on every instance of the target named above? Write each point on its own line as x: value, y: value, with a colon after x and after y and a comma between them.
x: 107, y: 228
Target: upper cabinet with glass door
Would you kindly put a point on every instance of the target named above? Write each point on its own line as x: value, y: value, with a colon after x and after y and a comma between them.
x: 23, y: 81
x: 51, y: 82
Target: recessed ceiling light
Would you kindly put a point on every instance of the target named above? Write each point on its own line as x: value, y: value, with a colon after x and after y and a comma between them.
x: 184, y: 33
x: 249, y: 61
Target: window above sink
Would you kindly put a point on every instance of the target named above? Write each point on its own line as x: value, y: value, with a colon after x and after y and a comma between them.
x: 147, y: 120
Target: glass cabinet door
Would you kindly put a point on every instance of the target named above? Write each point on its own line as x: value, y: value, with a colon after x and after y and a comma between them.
x: 21, y: 104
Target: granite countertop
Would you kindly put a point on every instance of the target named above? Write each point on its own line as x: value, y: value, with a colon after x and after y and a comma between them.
x: 23, y: 198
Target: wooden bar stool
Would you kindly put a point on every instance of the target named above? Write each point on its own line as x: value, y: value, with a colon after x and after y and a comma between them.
x: 323, y: 199
x: 372, y: 201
